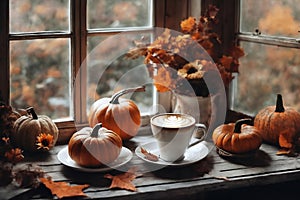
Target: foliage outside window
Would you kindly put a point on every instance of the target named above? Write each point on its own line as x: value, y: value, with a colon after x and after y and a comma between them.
x: 40, y: 68
x: 269, y: 36
x: 42, y: 49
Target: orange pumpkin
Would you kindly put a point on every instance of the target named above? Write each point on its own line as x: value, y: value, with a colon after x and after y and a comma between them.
x: 279, y: 125
x: 117, y: 114
x: 34, y: 132
x: 93, y: 147
x: 237, y: 138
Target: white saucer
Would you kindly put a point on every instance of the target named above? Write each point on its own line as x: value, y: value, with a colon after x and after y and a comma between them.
x: 192, y: 154
x: 124, y: 157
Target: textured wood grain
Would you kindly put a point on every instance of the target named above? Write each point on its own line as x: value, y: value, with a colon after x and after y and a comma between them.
x: 212, y: 174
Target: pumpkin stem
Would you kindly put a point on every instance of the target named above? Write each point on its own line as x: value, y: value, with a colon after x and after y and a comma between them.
x: 31, y: 112
x: 96, y: 130
x: 115, y: 97
x: 239, y: 123
x: 279, y: 104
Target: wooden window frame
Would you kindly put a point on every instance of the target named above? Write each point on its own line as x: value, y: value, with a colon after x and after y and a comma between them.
x: 167, y: 13
x: 279, y: 41
x: 229, y: 30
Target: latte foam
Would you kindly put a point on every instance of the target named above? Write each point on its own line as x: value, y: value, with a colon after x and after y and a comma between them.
x: 173, y: 120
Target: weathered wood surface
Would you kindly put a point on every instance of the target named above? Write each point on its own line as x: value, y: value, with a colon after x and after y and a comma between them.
x: 211, y: 174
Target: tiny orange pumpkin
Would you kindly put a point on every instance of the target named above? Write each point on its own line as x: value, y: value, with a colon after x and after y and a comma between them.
x: 238, y: 138
x: 93, y: 147
x: 117, y: 114
x: 279, y: 125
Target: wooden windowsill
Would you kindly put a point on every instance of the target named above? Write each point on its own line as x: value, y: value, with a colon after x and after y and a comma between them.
x: 207, y: 177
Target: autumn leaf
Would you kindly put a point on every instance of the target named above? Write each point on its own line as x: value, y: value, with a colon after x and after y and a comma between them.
x: 285, y: 140
x: 148, y: 155
x: 28, y: 176
x: 63, y: 189
x: 222, y: 178
x: 226, y: 62
x: 14, y: 155
x: 124, y: 180
x: 286, y: 152
x: 163, y: 80
x: 237, y: 52
x: 213, y: 10
x: 283, y: 152
x: 188, y: 25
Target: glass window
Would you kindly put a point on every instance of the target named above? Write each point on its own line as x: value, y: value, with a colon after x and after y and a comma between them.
x: 109, y: 39
x: 109, y: 70
x: 265, y: 71
x: 271, y: 17
x: 119, y: 13
x: 272, y: 62
x: 40, y: 76
x: 39, y: 15
x: 46, y: 53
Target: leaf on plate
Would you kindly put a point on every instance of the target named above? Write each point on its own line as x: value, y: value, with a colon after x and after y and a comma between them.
x: 63, y: 189
x: 124, y: 180
x: 148, y: 155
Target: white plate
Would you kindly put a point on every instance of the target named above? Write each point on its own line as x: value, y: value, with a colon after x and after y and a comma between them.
x: 124, y: 157
x: 192, y: 154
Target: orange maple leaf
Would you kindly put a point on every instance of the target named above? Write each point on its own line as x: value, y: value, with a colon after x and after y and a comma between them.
x: 188, y: 25
x: 124, y: 181
x: 237, y: 52
x: 63, y: 189
x: 14, y: 155
x: 286, y: 139
x: 163, y: 81
x: 226, y: 62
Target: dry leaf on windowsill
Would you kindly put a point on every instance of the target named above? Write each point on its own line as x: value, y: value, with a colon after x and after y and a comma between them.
x: 28, y: 176
x: 124, y: 180
x: 222, y: 178
x: 287, y: 152
x: 149, y: 156
x: 63, y: 189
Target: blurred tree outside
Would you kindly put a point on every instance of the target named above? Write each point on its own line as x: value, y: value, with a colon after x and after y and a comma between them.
x: 40, y: 69
x: 267, y: 70
x: 107, y: 52
x: 119, y: 72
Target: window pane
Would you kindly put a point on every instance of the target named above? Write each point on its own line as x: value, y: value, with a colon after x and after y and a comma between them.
x: 119, y: 13
x: 109, y: 71
x: 271, y: 17
x: 40, y: 71
x: 39, y: 15
x: 264, y: 72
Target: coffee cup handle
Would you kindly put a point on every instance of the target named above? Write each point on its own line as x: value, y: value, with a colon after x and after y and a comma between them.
x: 200, y: 131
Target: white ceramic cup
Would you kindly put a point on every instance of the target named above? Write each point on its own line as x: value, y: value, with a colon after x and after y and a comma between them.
x: 173, y: 132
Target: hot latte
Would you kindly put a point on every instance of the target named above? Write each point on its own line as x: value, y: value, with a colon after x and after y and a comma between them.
x: 173, y: 120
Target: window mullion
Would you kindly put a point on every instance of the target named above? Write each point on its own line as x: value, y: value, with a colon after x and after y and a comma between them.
x: 4, y: 51
x: 83, y: 55
x: 39, y: 35
x: 159, y: 13
x: 78, y: 45
x: 269, y: 40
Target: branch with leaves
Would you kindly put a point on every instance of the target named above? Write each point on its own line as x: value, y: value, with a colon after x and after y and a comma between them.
x: 172, y: 57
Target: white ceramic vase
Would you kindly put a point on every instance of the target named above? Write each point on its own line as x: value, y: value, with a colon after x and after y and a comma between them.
x: 196, y: 106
